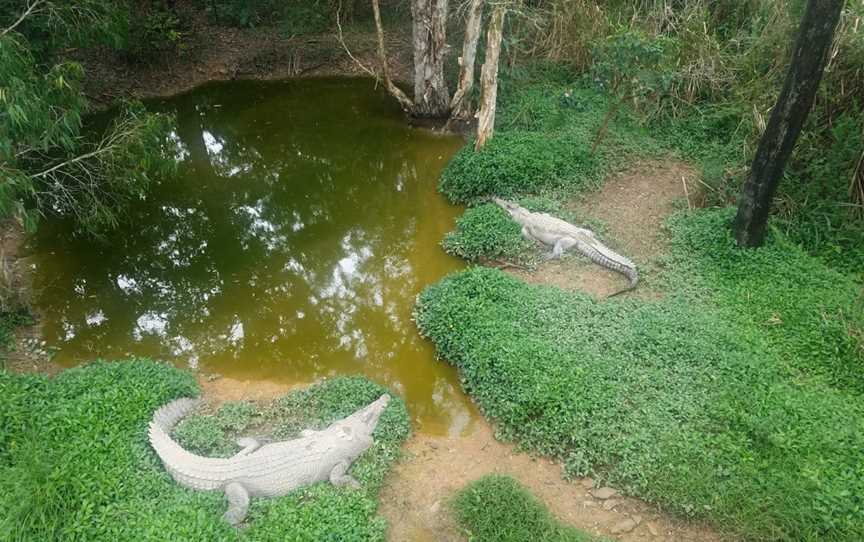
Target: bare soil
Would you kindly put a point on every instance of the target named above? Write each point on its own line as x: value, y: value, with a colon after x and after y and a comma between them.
x: 633, y: 204
x: 217, y: 53
x: 415, y: 499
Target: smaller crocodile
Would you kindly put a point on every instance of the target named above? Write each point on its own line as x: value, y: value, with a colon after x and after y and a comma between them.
x: 561, y: 236
x: 270, y: 470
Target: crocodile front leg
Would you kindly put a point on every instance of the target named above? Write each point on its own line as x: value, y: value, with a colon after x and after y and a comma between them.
x: 238, y: 503
x: 562, y: 245
x: 339, y: 476
x: 248, y: 444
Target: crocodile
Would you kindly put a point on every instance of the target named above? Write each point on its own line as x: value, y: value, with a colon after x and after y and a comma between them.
x: 268, y: 470
x: 561, y: 236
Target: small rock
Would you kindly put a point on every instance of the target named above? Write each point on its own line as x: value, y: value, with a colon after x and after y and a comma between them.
x: 637, y: 518
x: 588, y: 483
x: 433, y: 445
x: 604, y: 493
x: 610, y: 504
x: 213, y: 376
x: 653, y: 529
x: 435, y: 507
x: 624, y: 526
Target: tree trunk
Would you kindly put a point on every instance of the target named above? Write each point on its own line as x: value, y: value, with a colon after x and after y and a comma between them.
x: 396, y: 92
x: 431, y: 97
x: 489, y: 77
x: 787, y: 118
x: 460, y: 105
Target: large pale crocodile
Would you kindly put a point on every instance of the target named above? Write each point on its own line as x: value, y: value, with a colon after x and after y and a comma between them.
x: 561, y: 236
x: 270, y: 470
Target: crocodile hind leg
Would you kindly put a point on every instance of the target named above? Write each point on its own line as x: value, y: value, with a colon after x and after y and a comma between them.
x: 238, y: 503
x: 339, y: 476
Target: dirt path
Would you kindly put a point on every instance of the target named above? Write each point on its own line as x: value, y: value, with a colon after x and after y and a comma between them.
x: 415, y: 498
x: 633, y: 204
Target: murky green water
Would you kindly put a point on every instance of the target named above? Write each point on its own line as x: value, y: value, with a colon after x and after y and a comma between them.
x: 302, y: 225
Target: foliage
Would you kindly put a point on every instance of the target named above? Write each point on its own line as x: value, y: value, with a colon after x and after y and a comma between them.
x: 10, y: 320
x: 515, y: 163
x: 75, y: 463
x: 629, y: 65
x: 48, y: 163
x: 154, y: 32
x: 486, y: 232
x: 737, y: 397
x: 497, y: 508
x: 296, y: 17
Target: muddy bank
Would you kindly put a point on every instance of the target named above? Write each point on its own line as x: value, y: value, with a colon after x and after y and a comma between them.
x: 217, y: 53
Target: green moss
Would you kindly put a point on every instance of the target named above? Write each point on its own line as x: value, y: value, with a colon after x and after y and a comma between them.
x: 498, y: 509
x: 736, y: 398
x: 75, y: 463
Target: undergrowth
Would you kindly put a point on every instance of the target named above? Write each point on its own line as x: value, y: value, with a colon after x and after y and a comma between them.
x: 736, y: 398
x: 75, y: 463
x: 487, y: 233
x: 497, y: 508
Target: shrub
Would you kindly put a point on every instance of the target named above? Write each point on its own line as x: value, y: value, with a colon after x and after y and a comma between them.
x: 515, y: 163
x: 498, y: 509
x: 712, y: 401
x: 486, y: 232
x: 75, y: 463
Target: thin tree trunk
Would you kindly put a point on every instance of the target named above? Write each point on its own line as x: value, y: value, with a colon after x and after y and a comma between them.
x: 489, y: 77
x: 787, y: 118
x: 431, y: 97
x: 396, y: 92
x: 460, y: 105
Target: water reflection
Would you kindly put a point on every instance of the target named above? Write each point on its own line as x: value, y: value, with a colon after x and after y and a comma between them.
x: 290, y: 248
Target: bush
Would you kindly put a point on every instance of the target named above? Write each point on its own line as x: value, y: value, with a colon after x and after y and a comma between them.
x: 498, y: 509
x: 153, y: 33
x: 515, y: 163
x: 712, y: 401
x: 486, y: 232
x: 75, y: 463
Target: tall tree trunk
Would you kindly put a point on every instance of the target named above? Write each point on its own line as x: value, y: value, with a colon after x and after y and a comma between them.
x: 489, y: 77
x: 787, y: 118
x: 460, y: 105
x: 396, y: 92
x: 431, y: 97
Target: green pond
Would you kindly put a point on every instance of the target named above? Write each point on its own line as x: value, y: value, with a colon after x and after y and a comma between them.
x: 290, y: 247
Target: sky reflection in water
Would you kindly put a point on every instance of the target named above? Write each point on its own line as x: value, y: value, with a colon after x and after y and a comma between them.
x: 302, y: 225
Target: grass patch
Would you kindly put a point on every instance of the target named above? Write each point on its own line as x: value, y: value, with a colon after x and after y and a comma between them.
x: 499, y: 509
x: 487, y: 233
x: 736, y: 398
x: 75, y: 463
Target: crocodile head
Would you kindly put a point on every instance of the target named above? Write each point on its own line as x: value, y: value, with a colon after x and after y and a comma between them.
x: 366, y: 419
x: 508, y: 206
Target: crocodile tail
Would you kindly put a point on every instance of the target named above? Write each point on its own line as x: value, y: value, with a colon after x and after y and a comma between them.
x: 159, y: 431
x: 608, y: 258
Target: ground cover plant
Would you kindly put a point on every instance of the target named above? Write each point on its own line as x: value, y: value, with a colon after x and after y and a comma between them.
x: 498, y: 508
x: 735, y: 398
x: 75, y: 463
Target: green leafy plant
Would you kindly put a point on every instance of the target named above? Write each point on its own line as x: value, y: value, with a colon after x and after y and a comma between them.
x: 498, y: 508
x: 515, y: 163
x: 711, y: 401
x: 75, y: 463
x: 486, y: 232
